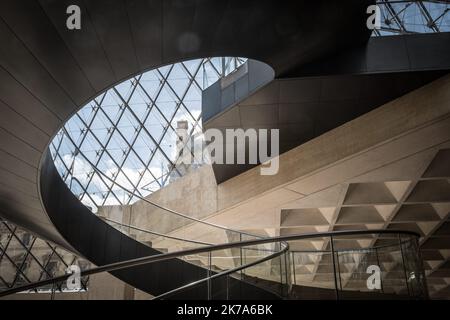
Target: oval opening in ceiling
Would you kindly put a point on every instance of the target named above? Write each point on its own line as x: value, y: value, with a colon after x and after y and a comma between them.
x: 129, y: 132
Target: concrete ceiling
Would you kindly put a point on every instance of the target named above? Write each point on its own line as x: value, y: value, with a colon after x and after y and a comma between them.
x: 386, y: 198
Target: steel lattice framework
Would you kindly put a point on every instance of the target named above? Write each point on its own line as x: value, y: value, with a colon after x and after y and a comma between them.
x: 129, y: 132
x: 402, y: 17
x: 25, y: 259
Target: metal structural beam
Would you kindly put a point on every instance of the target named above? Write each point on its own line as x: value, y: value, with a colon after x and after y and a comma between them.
x: 25, y: 259
x: 403, y: 17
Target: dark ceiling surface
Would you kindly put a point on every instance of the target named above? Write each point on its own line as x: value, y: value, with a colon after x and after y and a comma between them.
x: 48, y: 72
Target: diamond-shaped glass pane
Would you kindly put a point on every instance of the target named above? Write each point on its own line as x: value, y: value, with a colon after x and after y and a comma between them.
x: 8, y: 271
x: 129, y: 133
x: 4, y: 236
x: 26, y: 258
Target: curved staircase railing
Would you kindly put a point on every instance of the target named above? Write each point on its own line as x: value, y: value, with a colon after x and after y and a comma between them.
x: 406, y: 242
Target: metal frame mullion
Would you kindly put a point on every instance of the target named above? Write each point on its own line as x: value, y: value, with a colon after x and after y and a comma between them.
x: 110, y: 135
x: 208, y: 60
x: 4, y: 282
x: 74, y: 260
x: 104, y: 147
x: 424, y: 13
x: 165, y: 81
x: 49, y: 259
x: 17, y: 269
x: 160, y: 149
x: 97, y: 162
x: 83, y: 137
x: 24, y: 259
x: 84, y: 134
x: 85, y: 191
x: 157, y: 144
x: 441, y: 16
x: 36, y: 259
x: 46, y: 262
x: 59, y: 142
x: 126, y: 111
x: 168, y: 122
x: 196, y: 121
x: 193, y: 76
x: 218, y: 73
x: 182, y: 104
x: 181, y: 152
x: 138, y: 132
x: 430, y: 22
x: 131, y: 145
x: 181, y: 99
x: 28, y: 253
x: 393, y: 13
x: 397, y: 14
x: 7, y: 242
x: 127, y: 154
x: 66, y: 265
x: 137, y: 118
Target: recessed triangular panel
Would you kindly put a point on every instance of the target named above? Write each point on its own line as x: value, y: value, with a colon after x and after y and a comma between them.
x: 385, y: 210
x: 442, y: 209
x: 302, y: 217
x: 431, y: 191
x: 369, y: 193
x: 398, y: 188
x: 427, y: 227
x: 416, y: 213
x: 439, y: 167
x: 359, y: 215
x: 328, y: 213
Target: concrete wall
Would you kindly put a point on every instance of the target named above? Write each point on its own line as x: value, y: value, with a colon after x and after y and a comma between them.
x: 194, y: 195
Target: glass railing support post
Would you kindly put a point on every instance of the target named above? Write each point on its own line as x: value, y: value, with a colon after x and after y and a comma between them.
x: 339, y: 269
x: 286, y: 265
x: 209, y: 275
x: 421, y: 270
x: 404, y: 265
x: 52, y: 292
x: 334, y: 268
x: 228, y: 287
x: 381, y: 272
x: 240, y: 254
x: 293, y: 267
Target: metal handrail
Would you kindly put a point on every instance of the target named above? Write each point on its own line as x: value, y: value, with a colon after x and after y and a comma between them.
x: 167, y: 236
x: 154, y: 232
x: 168, y: 256
x: 208, y: 243
x: 225, y: 273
